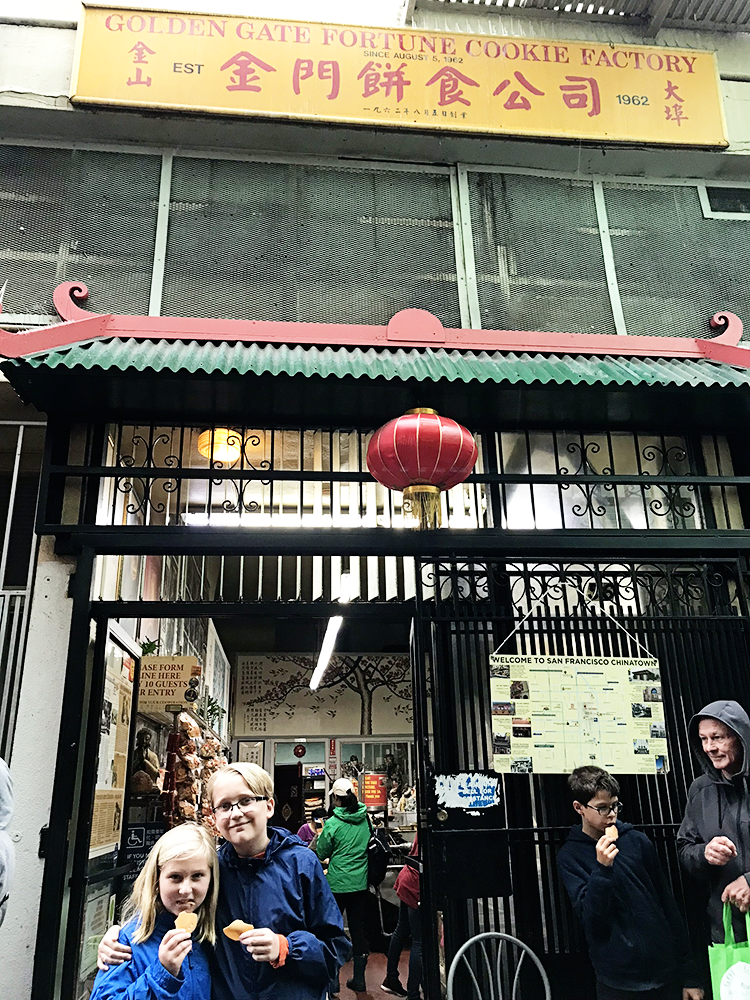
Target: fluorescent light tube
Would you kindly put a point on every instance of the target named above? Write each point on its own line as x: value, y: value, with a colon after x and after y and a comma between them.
x: 329, y: 639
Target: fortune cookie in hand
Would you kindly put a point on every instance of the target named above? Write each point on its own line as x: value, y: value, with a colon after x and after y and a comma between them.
x: 611, y: 832
x: 186, y: 921
x: 236, y: 928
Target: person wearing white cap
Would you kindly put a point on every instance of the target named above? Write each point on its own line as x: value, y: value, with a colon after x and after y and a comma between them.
x: 343, y: 840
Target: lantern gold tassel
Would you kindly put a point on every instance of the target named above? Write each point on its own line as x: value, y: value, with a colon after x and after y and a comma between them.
x: 423, y: 503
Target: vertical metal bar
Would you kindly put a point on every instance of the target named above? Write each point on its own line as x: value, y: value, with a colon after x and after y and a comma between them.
x: 7, y: 677
x: 420, y: 681
x: 16, y: 650
x: 160, y: 239
x: 180, y: 465
x: 609, y: 259
x: 273, y: 466
x: 11, y: 504
x: 209, y: 491
x: 637, y: 443
x: 556, y: 452
x: 720, y: 472
x: 458, y: 249
x: 615, y: 491
x: 53, y: 936
x: 532, y: 503
x: 467, y: 235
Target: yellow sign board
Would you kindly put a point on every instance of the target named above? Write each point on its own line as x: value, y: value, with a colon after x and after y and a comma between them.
x: 165, y: 680
x: 398, y: 77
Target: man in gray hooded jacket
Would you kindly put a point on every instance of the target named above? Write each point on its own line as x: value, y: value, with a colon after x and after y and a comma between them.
x: 713, y: 841
x: 7, y: 851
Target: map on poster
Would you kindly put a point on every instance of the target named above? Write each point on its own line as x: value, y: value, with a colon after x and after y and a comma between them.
x: 551, y: 714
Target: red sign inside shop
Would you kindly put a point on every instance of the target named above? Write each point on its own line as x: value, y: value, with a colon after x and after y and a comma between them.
x: 374, y: 792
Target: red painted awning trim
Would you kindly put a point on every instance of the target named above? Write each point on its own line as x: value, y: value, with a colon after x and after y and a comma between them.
x: 412, y: 328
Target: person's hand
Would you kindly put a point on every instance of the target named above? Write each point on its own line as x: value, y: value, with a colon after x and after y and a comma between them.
x: 606, y: 852
x: 174, y: 947
x: 692, y: 993
x: 738, y: 894
x: 110, y: 951
x: 719, y: 850
x: 262, y: 943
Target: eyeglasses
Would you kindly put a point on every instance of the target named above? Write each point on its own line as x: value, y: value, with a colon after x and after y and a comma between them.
x: 243, y: 804
x: 616, y: 807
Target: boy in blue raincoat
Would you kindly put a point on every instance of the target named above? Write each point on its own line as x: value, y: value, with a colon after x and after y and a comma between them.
x: 268, y: 878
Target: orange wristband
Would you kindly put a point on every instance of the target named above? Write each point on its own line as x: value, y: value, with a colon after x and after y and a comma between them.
x: 283, y: 952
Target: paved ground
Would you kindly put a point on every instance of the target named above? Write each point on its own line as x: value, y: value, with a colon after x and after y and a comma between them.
x: 374, y: 976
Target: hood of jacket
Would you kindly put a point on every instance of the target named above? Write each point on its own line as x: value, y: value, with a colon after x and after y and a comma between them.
x: 6, y: 796
x: 358, y: 816
x: 736, y: 718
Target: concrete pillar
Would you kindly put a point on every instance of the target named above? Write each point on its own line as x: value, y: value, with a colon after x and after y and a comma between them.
x: 33, y: 761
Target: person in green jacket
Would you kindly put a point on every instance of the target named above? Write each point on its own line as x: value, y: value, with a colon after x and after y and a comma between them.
x: 343, y: 840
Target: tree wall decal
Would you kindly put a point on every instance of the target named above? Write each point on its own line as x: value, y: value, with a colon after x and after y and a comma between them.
x: 361, y: 673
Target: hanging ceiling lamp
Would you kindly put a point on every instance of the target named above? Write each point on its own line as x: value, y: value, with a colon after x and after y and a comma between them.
x: 422, y: 454
x: 220, y: 445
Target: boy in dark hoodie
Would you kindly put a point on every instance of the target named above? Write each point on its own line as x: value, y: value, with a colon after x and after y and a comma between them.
x: 636, y: 937
x: 714, y: 840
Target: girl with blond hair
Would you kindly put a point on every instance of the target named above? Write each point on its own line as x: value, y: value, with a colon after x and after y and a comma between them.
x: 294, y: 940
x: 180, y: 876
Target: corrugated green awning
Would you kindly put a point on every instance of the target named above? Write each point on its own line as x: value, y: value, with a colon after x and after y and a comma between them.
x: 423, y: 365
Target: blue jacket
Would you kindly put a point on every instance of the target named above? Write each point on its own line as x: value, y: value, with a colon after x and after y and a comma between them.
x: 145, y: 978
x: 636, y: 936
x: 286, y: 891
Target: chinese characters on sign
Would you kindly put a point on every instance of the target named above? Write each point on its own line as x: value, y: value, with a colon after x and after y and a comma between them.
x: 551, y: 714
x: 404, y: 77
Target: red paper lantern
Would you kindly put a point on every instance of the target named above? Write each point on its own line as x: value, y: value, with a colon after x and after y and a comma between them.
x: 421, y: 453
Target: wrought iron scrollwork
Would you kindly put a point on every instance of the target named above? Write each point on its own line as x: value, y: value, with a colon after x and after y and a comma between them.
x: 635, y: 589
x: 673, y: 503
x: 456, y: 582
x: 238, y: 504
x: 170, y: 461
x: 140, y: 489
x: 591, y: 505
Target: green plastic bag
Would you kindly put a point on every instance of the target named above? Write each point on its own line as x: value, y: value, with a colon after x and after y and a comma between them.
x: 730, y: 962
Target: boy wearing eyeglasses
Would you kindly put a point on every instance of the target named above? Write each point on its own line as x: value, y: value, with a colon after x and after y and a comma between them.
x: 636, y: 937
x: 295, y: 941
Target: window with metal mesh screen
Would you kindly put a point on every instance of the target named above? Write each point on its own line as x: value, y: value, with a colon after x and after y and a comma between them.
x: 674, y: 268
x: 723, y: 199
x: 538, y: 254
x: 77, y: 215
x: 272, y: 241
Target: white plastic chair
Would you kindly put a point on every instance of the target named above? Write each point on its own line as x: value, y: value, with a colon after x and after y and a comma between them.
x: 501, y: 970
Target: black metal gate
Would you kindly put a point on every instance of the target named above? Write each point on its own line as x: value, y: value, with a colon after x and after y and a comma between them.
x: 495, y: 869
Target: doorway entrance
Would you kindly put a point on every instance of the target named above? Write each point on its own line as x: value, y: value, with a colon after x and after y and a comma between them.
x: 487, y: 868
x: 268, y: 655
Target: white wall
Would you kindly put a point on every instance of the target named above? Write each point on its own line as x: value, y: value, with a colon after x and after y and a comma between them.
x: 33, y: 763
x: 338, y: 11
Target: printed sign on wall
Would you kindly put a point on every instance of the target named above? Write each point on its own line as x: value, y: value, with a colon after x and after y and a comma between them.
x: 398, y: 77
x: 164, y: 680
x: 551, y: 714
